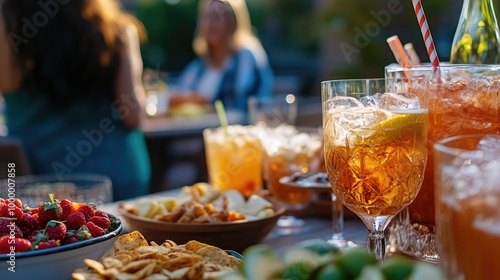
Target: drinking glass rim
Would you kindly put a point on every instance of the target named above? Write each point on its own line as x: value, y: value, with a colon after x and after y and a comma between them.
x: 441, y: 145
x: 371, y: 79
x: 427, y: 66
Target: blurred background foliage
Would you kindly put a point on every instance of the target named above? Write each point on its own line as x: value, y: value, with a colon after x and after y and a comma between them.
x: 303, y: 38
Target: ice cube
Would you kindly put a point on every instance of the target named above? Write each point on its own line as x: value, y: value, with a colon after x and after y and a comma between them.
x: 489, y: 143
x: 490, y: 225
x: 361, y: 118
x: 342, y: 102
x: 399, y: 101
x: 371, y: 100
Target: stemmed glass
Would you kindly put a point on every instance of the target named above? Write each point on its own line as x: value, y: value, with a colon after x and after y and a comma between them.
x: 319, y: 181
x: 375, y: 145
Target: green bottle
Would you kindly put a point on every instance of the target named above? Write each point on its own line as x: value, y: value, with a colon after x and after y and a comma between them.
x: 477, y: 36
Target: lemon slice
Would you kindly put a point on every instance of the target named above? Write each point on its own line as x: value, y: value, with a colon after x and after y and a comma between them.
x: 401, y: 120
x: 389, y: 129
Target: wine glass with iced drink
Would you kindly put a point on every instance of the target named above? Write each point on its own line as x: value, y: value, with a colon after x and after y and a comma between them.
x: 375, y: 147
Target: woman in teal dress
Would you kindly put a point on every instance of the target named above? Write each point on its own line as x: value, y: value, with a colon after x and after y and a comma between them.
x: 70, y: 75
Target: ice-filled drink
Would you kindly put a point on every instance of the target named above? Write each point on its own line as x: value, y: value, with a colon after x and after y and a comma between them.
x: 463, y: 99
x: 467, y: 201
x: 234, y: 158
x: 289, y: 150
x: 375, y: 146
x: 375, y: 157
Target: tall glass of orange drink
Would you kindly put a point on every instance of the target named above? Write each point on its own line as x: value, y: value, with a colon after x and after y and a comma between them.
x: 467, y: 200
x: 463, y: 99
x: 234, y: 158
x: 375, y: 147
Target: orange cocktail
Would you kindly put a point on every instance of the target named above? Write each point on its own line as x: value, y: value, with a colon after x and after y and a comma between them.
x: 375, y: 146
x: 234, y: 159
x: 377, y: 170
x: 467, y: 201
x: 289, y: 150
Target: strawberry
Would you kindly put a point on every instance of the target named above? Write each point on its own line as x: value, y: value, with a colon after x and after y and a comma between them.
x: 101, y: 222
x: 49, y: 211
x: 94, y: 230
x: 20, y: 245
x: 36, y: 235
x: 28, y: 224
x: 55, y: 230
x: 75, y: 220
x: 101, y: 213
x: 86, y: 209
x: 83, y: 233
x: 18, y: 202
x: 67, y: 208
x: 32, y: 211
x: 9, y: 212
x: 70, y: 240
x: 48, y: 244
x: 7, y: 226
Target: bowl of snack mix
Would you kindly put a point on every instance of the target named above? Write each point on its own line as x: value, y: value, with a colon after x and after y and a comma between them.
x: 223, y: 219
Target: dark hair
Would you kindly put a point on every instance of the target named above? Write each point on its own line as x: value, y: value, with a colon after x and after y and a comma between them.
x: 66, y: 47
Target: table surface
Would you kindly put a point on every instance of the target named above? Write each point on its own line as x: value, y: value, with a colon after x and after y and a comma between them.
x: 186, y: 126
x: 317, y: 227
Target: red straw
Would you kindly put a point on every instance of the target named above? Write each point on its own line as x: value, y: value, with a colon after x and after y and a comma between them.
x: 426, y: 33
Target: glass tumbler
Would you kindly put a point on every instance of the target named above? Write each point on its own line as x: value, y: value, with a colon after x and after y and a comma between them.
x: 467, y: 199
x: 463, y: 99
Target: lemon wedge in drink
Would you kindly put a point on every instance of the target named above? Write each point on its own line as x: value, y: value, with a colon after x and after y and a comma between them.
x: 391, y: 128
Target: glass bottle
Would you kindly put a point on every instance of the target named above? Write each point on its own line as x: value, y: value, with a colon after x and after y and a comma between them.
x: 477, y: 36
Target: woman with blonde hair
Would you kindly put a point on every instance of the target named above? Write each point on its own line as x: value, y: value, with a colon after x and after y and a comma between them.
x: 232, y: 64
x: 70, y: 75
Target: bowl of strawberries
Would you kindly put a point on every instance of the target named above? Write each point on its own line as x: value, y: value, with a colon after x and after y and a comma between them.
x: 52, y: 238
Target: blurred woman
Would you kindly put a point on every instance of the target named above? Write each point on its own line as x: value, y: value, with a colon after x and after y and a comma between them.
x: 70, y: 74
x: 232, y: 63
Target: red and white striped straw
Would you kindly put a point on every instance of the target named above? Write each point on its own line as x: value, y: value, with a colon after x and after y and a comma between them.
x: 426, y: 33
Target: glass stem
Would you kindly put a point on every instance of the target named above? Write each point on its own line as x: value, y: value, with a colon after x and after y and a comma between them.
x: 337, y: 218
x: 376, y: 244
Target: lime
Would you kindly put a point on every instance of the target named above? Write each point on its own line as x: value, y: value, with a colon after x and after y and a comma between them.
x: 260, y: 262
x: 296, y: 254
x: 397, y: 267
x: 372, y: 272
x: 353, y: 260
x: 330, y: 272
x: 297, y: 271
x: 319, y: 246
x: 426, y: 271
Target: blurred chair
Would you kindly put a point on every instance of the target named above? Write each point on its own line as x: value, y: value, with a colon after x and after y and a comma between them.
x: 12, y: 151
